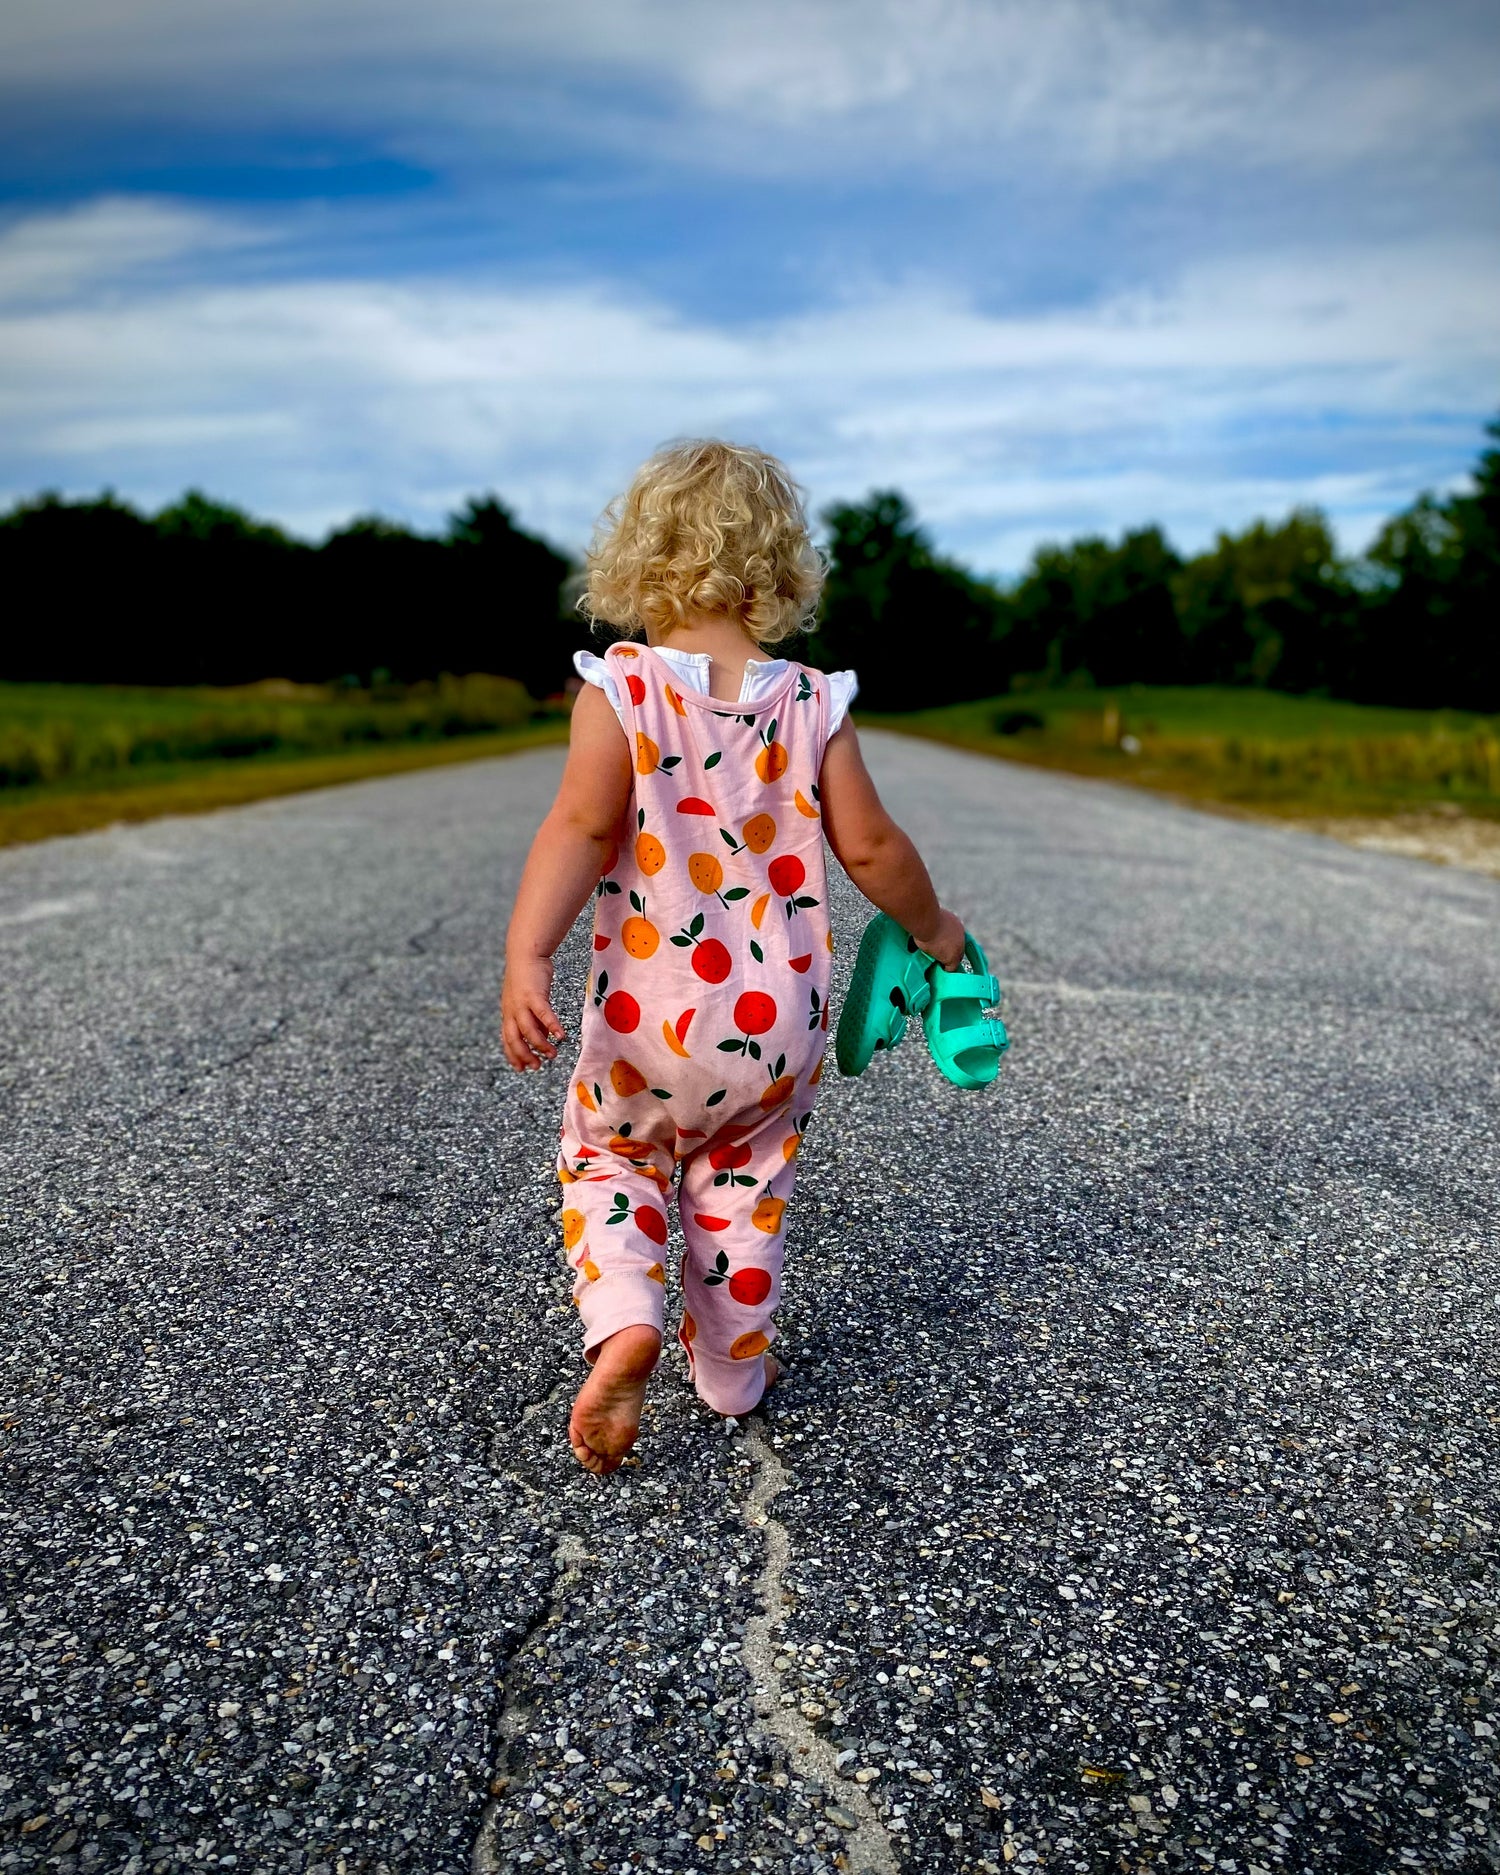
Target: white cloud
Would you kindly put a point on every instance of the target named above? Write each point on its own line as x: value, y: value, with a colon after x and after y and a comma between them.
x: 109, y: 239
x: 1108, y: 86
x: 311, y: 399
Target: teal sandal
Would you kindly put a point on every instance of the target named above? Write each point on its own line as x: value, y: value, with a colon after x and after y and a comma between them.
x: 966, y: 1044
x: 888, y: 987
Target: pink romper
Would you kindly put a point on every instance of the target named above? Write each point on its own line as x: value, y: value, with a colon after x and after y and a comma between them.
x: 704, y: 1022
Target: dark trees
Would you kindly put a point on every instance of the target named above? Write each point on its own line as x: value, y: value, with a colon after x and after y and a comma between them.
x: 1430, y: 617
x: 1414, y: 622
x: 1092, y: 608
x: 203, y: 594
x: 918, y: 629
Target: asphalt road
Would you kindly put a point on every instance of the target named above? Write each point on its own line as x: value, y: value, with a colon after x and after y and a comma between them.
x: 1131, y: 1502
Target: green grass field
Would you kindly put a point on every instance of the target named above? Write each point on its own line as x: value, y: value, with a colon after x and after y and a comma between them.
x: 80, y: 756
x: 67, y: 733
x: 74, y: 756
x: 1252, y: 748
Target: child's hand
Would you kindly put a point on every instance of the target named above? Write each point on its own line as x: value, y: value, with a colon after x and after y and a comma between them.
x: 945, y: 942
x: 528, y: 1022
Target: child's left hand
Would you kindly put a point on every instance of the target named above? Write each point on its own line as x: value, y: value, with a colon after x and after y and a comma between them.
x: 528, y: 1022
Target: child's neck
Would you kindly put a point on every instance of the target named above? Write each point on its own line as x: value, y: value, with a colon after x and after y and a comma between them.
x: 722, y: 640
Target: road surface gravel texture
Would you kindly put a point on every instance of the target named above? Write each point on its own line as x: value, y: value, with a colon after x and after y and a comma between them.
x: 1131, y: 1503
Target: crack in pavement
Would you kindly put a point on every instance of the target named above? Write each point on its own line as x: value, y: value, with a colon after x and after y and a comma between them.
x: 870, y: 1849
x: 528, y: 1412
x: 417, y: 942
x: 415, y: 945
x: 515, y: 1713
x: 1025, y: 943
x: 206, y: 1073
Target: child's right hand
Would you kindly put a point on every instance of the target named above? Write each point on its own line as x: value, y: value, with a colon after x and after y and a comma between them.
x: 945, y: 942
x: 528, y: 1022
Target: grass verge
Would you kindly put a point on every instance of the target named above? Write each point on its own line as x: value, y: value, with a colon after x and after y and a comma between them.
x: 80, y: 733
x: 195, y: 787
x: 1298, y: 758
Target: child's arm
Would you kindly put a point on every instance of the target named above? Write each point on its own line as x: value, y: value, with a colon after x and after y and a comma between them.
x: 877, y: 855
x: 562, y: 869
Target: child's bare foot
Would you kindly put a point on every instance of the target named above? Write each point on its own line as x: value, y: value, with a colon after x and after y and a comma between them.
x: 607, y: 1413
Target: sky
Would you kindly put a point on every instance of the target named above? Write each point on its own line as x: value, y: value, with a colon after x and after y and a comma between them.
x: 1049, y: 270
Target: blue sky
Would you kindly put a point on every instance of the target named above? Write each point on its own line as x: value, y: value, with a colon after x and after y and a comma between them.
x: 1049, y: 270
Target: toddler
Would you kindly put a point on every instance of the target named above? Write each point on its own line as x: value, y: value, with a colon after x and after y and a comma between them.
x: 701, y: 781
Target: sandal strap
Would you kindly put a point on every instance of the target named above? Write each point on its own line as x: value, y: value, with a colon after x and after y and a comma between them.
x: 987, y: 1032
x: 915, y: 986
x: 948, y: 984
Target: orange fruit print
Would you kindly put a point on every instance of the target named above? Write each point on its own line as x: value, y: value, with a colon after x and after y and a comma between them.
x: 754, y: 1013
x: 640, y: 937
x: 626, y: 1080
x: 622, y: 1012
x: 759, y: 833
x: 711, y: 960
x: 750, y: 1286
x: 768, y: 1214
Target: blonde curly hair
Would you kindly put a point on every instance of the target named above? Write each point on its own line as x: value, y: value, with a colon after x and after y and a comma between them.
x: 705, y: 527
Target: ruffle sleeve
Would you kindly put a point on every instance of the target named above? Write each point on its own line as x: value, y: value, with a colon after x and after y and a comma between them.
x: 843, y: 688
x: 594, y: 670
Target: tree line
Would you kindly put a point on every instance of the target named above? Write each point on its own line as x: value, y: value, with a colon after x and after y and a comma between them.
x: 1412, y: 621
x: 201, y: 593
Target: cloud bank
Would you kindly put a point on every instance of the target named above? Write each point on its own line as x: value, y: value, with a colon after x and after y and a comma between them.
x: 1048, y: 270
x: 313, y: 398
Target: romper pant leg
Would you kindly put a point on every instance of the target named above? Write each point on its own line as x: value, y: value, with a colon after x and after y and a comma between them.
x: 614, y: 1237
x: 733, y: 1201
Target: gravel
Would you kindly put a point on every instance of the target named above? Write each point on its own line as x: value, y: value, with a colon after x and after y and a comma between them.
x: 1130, y: 1503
